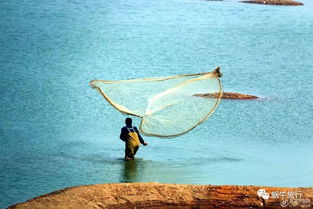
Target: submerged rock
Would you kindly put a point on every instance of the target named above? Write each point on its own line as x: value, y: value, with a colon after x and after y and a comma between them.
x: 157, y: 196
x: 227, y: 95
x: 275, y: 2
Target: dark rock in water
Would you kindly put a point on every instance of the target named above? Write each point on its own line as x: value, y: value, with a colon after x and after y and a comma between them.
x: 275, y: 2
x: 227, y: 95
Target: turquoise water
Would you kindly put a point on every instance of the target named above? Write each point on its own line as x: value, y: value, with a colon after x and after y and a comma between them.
x: 57, y: 132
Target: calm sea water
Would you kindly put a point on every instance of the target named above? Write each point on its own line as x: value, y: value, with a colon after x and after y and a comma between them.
x: 56, y: 132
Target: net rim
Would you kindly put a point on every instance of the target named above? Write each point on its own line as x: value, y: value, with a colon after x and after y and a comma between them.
x: 214, y: 73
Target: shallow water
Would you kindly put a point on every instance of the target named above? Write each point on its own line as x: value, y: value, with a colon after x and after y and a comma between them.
x: 57, y: 132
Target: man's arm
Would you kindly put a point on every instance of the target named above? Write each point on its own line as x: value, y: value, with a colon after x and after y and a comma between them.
x: 124, y: 134
x: 140, y: 138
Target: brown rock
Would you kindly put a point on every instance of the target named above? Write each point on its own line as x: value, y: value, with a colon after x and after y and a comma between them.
x: 167, y: 196
x: 275, y: 2
x: 227, y: 95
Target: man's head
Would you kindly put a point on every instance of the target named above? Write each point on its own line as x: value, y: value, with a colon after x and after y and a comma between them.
x: 128, y: 121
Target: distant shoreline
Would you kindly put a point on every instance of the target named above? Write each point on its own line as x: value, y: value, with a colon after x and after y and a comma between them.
x: 275, y: 2
x: 157, y: 196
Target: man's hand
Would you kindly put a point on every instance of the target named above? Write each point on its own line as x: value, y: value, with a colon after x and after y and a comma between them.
x: 145, y: 143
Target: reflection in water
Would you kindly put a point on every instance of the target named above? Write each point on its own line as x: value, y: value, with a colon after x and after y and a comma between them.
x: 130, y: 171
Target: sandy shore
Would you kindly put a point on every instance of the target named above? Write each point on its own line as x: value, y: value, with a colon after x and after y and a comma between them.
x: 168, y: 196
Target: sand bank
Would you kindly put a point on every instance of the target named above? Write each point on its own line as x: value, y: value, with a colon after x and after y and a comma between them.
x: 168, y: 196
x: 275, y: 2
x: 228, y: 95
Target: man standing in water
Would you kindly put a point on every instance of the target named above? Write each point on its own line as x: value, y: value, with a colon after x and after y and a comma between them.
x: 130, y: 135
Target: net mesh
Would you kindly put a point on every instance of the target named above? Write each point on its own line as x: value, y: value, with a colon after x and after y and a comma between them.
x: 168, y: 106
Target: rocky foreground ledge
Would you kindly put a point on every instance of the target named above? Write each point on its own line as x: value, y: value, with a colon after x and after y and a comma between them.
x: 169, y: 196
x: 275, y: 2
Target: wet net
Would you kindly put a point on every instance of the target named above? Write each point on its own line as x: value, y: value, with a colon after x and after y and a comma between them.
x: 168, y: 106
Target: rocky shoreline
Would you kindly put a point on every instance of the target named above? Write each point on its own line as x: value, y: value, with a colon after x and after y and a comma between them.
x: 169, y: 196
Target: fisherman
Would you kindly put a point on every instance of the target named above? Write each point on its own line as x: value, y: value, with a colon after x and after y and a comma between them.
x: 132, y: 139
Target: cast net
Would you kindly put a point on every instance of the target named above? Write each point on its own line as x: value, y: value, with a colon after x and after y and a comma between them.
x: 168, y: 106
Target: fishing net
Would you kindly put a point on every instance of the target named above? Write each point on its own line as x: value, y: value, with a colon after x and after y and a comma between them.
x: 168, y: 106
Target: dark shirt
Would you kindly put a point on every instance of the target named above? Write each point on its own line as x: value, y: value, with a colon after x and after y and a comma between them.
x: 124, y: 134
